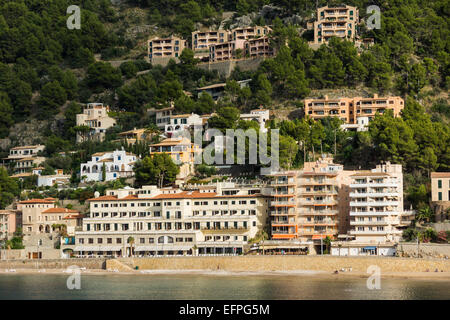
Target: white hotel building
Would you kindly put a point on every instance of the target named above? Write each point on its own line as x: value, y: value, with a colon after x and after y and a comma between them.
x: 216, y: 219
x: 376, y: 205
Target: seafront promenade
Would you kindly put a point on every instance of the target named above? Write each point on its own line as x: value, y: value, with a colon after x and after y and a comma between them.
x: 389, y: 266
x: 282, y: 263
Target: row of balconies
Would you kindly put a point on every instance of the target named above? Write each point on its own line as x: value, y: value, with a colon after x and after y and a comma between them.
x: 374, y: 203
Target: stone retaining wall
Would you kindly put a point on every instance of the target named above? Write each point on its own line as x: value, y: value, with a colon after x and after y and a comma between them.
x: 434, y: 250
x: 286, y: 263
x: 53, y: 264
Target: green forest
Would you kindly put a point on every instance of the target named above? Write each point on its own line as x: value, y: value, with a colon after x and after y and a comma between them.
x: 47, y: 71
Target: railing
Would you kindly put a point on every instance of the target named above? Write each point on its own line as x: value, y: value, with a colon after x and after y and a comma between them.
x: 282, y: 203
x: 374, y: 203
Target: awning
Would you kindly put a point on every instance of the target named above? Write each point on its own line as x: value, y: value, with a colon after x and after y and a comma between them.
x: 370, y: 248
x: 319, y: 236
x: 97, y: 248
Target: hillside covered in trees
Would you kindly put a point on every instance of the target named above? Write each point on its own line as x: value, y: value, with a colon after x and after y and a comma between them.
x: 47, y: 71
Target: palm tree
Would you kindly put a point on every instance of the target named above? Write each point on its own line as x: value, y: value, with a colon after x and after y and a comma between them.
x: 327, y: 242
x: 131, y: 242
x: 424, y: 214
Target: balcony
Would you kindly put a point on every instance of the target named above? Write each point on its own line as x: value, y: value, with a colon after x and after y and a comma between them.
x: 282, y: 212
x: 282, y: 203
x: 283, y: 182
x: 369, y: 223
x: 373, y: 213
x: 330, y: 202
x: 318, y: 213
x: 354, y: 232
x: 224, y: 230
x: 373, y: 194
x: 282, y: 193
x: 373, y: 185
x: 374, y: 203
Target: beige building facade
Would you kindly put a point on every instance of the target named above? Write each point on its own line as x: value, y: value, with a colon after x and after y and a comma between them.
x: 95, y: 116
x: 376, y: 205
x: 219, y: 219
x: 339, y: 21
x: 355, y: 112
x: 165, y: 48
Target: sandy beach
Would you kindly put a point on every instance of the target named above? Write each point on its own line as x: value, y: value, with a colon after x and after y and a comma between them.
x: 438, y: 276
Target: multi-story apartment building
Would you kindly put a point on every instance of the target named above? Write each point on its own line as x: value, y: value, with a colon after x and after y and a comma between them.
x: 376, y: 205
x: 10, y: 222
x: 163, y: 116
x: 165, y: 48
x: 259, y: 47
x: 440, y: 193
x: 32, y: 220
x: 151, y: 221
x: 117, y: 164
x: 339, y: 21
x: 181, y: 150
x: 25, y: 165
x: 318, y: 201
x: 247, y: 33
x: 283, y: 206
x: 24, y: 158
x: 179, y: 123
x: 226, y: 51
x: 202, y: 40
x: 355, y: 112
x: 23, y: 152
x: 95, y: 116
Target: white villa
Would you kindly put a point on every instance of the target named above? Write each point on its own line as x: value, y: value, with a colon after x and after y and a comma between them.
x: 118, y: 164
x: 179, y: 123
x: 259, y: 115
x: 59, y: 178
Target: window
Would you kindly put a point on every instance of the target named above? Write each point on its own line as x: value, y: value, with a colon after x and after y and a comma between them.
x: 119, y: 240
x: 439, y: 184
x: 440, y: 196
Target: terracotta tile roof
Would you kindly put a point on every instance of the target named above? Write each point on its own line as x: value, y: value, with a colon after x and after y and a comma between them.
x: 59, y: 210
x: 440, y: 175
x: 46, y: 200
x: 103, y: 198
x: 73, y: 216
x: 370, y: 174
x: 178, y: 195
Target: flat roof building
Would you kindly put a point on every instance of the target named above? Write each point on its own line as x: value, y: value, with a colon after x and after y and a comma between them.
x: 356, y: 112
x: 339, y: 21
x: 216, y: 220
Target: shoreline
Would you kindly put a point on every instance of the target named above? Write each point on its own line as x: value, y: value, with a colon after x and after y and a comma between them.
x: 318, y: 274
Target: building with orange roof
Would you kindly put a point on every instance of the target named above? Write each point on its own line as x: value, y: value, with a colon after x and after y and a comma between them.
x: 117, y: 164
x: 220, y: 219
